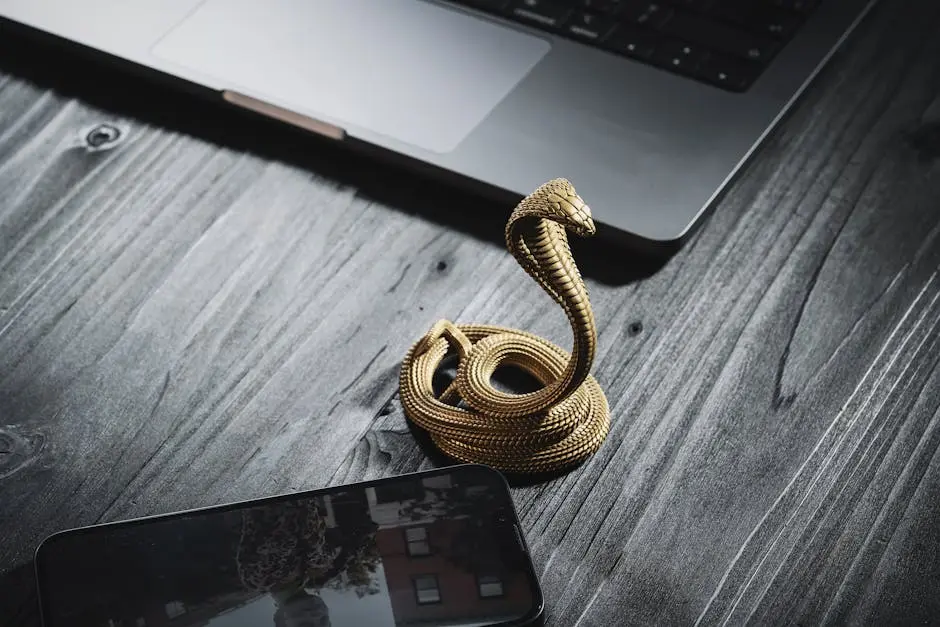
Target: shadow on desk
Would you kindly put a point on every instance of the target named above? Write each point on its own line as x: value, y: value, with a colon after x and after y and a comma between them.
x: 19, y: 601
x: 119, y: 89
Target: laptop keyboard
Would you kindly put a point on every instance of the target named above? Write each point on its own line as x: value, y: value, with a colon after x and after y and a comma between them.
x: 726, y: 43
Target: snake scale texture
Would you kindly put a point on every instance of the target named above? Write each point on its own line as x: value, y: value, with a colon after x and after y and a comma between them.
x: 553, y: 428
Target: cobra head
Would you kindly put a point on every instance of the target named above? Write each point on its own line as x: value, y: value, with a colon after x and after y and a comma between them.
x: 569, y: 209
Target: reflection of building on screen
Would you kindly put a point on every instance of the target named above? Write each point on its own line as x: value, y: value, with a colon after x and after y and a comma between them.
x: 424, y: 526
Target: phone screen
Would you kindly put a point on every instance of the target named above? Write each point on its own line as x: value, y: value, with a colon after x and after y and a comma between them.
x: 437, y: 548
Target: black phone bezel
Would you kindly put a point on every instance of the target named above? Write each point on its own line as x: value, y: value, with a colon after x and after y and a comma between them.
x: 512, y: 527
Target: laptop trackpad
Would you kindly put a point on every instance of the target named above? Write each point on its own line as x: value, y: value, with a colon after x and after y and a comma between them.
x: 410, y: 70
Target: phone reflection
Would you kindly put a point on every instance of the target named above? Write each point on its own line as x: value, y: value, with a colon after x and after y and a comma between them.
x: 427, y: 550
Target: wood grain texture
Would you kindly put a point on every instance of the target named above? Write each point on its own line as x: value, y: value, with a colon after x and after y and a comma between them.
x: 184, y: 322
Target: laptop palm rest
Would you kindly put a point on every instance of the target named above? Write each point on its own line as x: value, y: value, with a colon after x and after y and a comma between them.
x: 428, y: 76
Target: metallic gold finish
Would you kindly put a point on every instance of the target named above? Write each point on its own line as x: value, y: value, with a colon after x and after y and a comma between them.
x: 550, y: 429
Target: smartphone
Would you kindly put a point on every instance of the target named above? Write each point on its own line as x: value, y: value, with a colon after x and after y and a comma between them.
x: 442, y: 547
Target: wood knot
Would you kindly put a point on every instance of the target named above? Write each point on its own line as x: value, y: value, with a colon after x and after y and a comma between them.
x: 102, y: 137
x: 18, y: 450
x: 635, y: 328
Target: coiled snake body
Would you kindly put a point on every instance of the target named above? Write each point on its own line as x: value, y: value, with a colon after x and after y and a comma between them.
x: 550, y: 429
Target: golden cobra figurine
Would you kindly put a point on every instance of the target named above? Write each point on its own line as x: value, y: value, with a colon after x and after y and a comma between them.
x: 550, y: 429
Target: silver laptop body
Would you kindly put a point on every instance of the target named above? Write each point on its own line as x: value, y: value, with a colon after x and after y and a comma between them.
x: 496, y: 102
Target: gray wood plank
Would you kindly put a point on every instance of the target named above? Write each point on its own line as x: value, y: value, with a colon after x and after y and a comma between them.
x: 185, y: 321
x: 175, y: 341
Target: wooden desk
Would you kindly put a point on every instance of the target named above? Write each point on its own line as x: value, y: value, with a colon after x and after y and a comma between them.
x: 210, y: 309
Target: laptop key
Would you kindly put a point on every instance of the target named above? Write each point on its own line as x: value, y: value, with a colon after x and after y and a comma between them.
x: 679, y: 56
x: 727, y: 72
x: 631, y: 41
x: 761, y: 19
x: 715, y: 36
x: 777, y: 24
x: 589, y: 26
x: 545, y: 13
x: 645, y: 14
x: 605, y: 7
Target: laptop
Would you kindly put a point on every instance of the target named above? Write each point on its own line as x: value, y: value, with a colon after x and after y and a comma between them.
x: 648, y: 107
